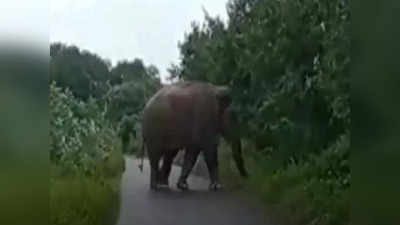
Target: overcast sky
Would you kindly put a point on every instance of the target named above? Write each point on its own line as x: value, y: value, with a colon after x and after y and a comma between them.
x: 25, y: 21
x: 125, y: 29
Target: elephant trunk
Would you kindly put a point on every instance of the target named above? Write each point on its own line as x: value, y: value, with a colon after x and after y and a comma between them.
x: 231, y: 133
x: 237, y: 156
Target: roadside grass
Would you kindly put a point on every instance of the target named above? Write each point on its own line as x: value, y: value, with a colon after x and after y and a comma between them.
x: 77, y: 199
x: 294, y: 194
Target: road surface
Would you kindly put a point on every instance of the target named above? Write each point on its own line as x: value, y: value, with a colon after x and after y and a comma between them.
x: 198, y: 206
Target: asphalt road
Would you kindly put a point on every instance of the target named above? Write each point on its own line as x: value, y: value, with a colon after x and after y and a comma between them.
x: 140, y: 206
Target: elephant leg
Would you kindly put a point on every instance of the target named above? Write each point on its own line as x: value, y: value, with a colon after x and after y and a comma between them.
x: 211, y: 158
x: 166, y: 166
x: 188, y: 163
x: 154, y: 159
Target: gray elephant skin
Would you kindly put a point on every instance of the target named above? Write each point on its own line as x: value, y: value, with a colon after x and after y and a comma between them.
x: 191, y: 116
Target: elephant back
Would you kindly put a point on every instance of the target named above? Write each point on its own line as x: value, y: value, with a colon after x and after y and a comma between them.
x: 182, y: 114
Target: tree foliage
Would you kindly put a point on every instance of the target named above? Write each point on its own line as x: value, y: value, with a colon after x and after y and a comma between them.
x: 81, y: 135
x: 83, y: 81
x: 287, y: 63
x: 88, y: 75
x: 133, y: 84
x: 83, y: 72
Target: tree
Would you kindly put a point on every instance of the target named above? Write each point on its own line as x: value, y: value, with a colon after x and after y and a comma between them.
x: 83, y: 72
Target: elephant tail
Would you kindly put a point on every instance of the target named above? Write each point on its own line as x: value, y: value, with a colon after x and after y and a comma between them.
x: 142, y: 159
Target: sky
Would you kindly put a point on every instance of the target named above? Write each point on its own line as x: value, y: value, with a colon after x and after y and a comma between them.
x: 25, y: 21
x: 128, y: 29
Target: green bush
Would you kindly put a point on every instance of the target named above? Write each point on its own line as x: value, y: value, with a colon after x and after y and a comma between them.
x: 77, y: 200
x: 86, y: 161
x: 314, y: 191
x: 130, y: 133
x: 91, y: 200
x: 80, y: 133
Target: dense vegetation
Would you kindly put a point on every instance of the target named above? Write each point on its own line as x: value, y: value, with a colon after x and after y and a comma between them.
x: 287, y: 63
x: 86, y: 161
x: 122, y: 89
x: 88, y: 98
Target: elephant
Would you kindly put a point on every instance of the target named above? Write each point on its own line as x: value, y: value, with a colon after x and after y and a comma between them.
x: 189, y: 115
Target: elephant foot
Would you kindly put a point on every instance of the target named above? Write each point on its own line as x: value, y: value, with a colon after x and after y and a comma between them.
x: 215, y: 186
x: 182, y: 185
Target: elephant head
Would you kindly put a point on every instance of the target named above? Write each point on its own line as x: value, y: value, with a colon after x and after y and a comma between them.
x: 229, y: 127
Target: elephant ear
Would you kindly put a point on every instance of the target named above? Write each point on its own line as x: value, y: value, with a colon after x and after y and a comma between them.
x: 223, y: 97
